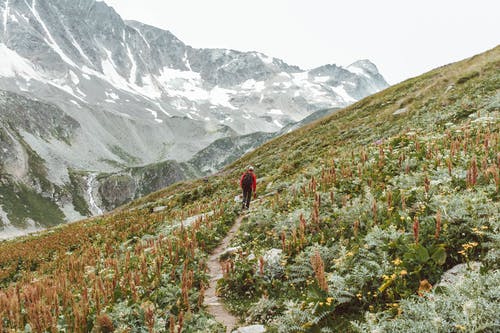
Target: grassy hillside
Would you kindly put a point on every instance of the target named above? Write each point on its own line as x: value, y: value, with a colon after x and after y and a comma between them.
x: 365, y: 210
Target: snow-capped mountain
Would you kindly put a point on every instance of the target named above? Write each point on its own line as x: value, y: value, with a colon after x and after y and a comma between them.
x: 134, y: 94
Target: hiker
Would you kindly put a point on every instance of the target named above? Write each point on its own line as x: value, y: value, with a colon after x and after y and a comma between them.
x: 248, y: 183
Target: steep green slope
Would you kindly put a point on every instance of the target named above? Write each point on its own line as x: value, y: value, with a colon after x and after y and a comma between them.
x: 357, y: 214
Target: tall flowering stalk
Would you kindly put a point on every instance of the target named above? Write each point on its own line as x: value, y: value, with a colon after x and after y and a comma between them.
x: 319, y: 271
x: 438, y: 224
x: 416, y: 227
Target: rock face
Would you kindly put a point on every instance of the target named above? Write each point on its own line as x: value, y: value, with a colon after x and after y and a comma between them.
x: 119, y: 188
x: 118, y: 94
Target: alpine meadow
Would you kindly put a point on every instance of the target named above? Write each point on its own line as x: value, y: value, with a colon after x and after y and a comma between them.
x: 383, y: 216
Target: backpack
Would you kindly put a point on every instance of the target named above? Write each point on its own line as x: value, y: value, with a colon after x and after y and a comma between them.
x: 247, y: 181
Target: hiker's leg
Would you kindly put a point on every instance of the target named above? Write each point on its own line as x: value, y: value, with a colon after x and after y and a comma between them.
x: 247, y: 198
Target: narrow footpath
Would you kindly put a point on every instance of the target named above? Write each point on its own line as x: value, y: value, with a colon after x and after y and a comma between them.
x: 212, y: 301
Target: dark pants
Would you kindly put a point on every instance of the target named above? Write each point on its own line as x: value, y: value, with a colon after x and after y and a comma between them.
x: 247, y: 195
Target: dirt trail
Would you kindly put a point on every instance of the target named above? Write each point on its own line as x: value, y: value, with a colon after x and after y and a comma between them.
x: 212, y: 301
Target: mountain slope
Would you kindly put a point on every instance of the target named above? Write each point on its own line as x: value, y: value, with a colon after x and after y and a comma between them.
x: 357, y: 213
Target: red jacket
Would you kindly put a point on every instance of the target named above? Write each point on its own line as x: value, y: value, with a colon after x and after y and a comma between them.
x: 254, y: 181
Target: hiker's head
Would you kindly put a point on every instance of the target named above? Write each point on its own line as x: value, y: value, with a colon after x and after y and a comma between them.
x: 250, y: 168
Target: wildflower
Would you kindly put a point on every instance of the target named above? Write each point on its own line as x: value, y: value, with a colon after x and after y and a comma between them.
x: 397, y: 261
x: 424, y: 287
x: 403, y: 272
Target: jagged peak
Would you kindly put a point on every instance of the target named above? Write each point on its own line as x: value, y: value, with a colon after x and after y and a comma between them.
x: 366, y: 65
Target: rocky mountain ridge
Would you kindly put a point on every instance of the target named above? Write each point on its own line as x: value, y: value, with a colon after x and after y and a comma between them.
x: 133, y: 95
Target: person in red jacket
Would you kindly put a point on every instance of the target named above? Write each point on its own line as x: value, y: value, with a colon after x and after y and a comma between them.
x: 248, y: 183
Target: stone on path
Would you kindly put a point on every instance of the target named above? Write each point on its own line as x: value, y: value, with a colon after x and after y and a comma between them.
x: 250, y: 329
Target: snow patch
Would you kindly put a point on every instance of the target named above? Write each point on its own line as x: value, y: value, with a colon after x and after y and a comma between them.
x: 321, y: 79
x: 187, y: 84
x: 5, y: 17
x: 155, y: 115
x: 167, y: 74
x: 251, y: 84
x: 285, y: 75
x: 339, y: 90
x: 162, y: 109
x: 357, y: 71
x: 112, y: 95
x: 12, y: 65
x: 248, y: 84
x: 277, y: 123
x: 186, y: 61
x: 220, y: 96
x: 133, y: 69
x: 75, y: 102
x: 259, y: 86
x: 265, y: 59
x: 299, y: 77
x: 74, y: 78
x: 275, y: 111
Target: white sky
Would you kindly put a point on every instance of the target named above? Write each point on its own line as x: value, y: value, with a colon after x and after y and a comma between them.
x: 403, y: 38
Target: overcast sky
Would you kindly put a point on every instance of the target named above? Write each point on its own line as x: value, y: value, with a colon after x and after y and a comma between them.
x: 403, y: 38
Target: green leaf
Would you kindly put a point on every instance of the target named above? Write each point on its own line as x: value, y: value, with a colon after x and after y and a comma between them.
x: 439, y: 256
x: 421, y: 253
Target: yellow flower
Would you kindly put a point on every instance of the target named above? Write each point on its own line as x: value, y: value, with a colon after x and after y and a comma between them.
x: 397, y: 261
x: 403, y: 272
x: 329, y: 299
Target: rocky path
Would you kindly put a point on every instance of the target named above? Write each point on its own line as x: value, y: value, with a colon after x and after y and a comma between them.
x: 212, y: 301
